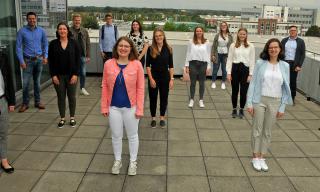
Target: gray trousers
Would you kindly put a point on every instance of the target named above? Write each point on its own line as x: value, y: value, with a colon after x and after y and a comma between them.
x: 264, y: 118
x: 4, y: 125
x: 197, y: 71
x: 65, y: 88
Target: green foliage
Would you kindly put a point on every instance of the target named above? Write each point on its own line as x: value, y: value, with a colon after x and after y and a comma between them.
x: 90, y: 22
x: 169, y: 26
x: 313, y: 31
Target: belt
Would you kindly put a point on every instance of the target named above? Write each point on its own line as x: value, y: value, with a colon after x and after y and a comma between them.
x: 31, y: 58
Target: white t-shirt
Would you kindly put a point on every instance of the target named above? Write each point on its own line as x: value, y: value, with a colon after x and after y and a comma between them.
x: 272, y: 81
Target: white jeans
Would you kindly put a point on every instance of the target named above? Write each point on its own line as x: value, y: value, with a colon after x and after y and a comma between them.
x: 119, y: 118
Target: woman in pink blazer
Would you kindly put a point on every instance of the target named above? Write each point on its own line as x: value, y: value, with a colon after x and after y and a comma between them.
x: 122, y: 100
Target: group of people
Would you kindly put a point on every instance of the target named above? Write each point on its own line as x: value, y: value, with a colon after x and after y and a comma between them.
x: 266, y: 86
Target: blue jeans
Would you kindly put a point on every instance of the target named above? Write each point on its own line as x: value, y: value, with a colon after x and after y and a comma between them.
x: 222, y: 59
x: 34, y: 69
x: 82, y: 72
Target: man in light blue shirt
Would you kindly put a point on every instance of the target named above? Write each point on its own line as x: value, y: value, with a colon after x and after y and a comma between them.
x: 32, y: 52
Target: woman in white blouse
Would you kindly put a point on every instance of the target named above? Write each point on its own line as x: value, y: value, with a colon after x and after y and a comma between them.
x: 197, y: 63
x: 268, y: 94
x: 240, y: 65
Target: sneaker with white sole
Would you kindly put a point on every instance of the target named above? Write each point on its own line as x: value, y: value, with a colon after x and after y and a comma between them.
x: 84, y: 92
x: 116, y: 167
x: 223, y: 85
x: 201, y: 104
x: 132, y: 170
x: 264, y: 166
x: 256, y: 164
x: 191, y: 102
x: 213, y: 85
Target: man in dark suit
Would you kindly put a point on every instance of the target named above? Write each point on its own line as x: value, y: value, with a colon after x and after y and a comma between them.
x: 7, y: 103
x: 295, y: 52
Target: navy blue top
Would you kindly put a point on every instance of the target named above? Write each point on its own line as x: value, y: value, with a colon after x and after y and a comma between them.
x: 120, y: 96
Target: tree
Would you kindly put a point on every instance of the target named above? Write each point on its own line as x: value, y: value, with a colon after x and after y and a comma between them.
x: 90, y: 22
x: 313, y: 31
x: 182, y: 27
x: 169, y: 26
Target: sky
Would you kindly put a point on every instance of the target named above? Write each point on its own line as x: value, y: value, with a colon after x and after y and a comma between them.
x: 234, y: 5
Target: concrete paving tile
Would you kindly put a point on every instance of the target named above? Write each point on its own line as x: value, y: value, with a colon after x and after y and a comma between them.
x: 290, y: 124
x: 184, y: 148
x: 153, y: 134
x: 13, y: 155
x: 90, y: 131
x: 178, y: 92
x: 224, y: 166
x: 50, y: 108
x: 239, y: 135
x: 298, y: 167
x: 83, y: 109
x: 19, y: 142
x: 285, y: 149
x: 87, y: 101
x: 181, y: 98
x: 188, y: 184
x: 312, y: 124
x: 103, y: 164
x: 82, y: 145
x: 153, y: 148
x: 230, y: 184
x: 141, y: 183
x: 175, y: 105
x: 53, y: 130
x: 218, y: 149
x: 310, y: 184
x: 311, y: 149
x: 223, y: 106
x: 188, y: 166
x: 302, y: 135
x: 316, y: 161
x: 95, y: 120
x: 152, y: 165
x: 267, y: 184
x: 296, y: 108
x: 183, y: 135
x: 42, y: 118
x: 13, y: 126
x: 31, y: 128
x: 287, y: 116
x: 237, y: 124
x: 279, y: 135
x: 180, y: 123
x: 45, y: 143
x: 106, y: 147
x: 34, y: 160
x: 58, y: 182
x: 101, y: 183
x: 205, y: 114
x: 19, y: 117
x: 221, y: 99
x: 274, y: 168
x: 71, y: 162
x: 20, y: 181
x: 180, y: 113
x: 213, y: 135
x: 224, y: 114
x: 244, y: 149
x: 312, y: 106
x: 208, y: 124
x: 304, y: 115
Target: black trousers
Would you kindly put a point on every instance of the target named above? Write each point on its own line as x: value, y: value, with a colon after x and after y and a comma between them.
x: 239, y: 74
x: 293, y: 79
x: 162, y: 80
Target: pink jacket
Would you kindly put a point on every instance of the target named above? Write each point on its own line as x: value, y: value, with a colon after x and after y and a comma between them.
x: 134, y: 79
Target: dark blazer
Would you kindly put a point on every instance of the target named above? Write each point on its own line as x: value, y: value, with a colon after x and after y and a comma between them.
x: 56, y: 60
x: 300, y: 51
x: 8, y: 80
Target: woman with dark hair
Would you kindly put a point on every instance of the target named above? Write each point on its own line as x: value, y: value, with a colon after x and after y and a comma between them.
x: 160, y: 73
x: 219, y: 53
x: 240, y: 65
x: 64, y: 64
x: 198, y: 63
x: 122, y: 100
x: 139, y: 39
x: 268, y: 94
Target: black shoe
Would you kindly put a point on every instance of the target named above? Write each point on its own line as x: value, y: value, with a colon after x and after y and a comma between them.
x: 61, y: 123
x: 162, y: 124
x: 7, y: 170
x: 73, y: 123
x: 234, y: 113
x: 153, y: 124
x: 241, y: 114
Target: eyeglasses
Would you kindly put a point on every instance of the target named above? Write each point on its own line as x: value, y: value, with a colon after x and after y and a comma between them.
x: 124, y: 46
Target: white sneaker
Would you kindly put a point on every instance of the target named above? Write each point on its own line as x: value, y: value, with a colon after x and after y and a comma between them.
x: 213, y: 85
x: 84, y: 92
x: 256, y: 164
x: 223, y: 85
x: 191, y: 102
x: 263, y: 164
x: 116, y: 167
x: 201, y: 104
x: 132, y: 170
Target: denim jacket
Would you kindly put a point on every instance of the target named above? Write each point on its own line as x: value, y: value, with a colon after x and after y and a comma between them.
x: 255, y: 87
